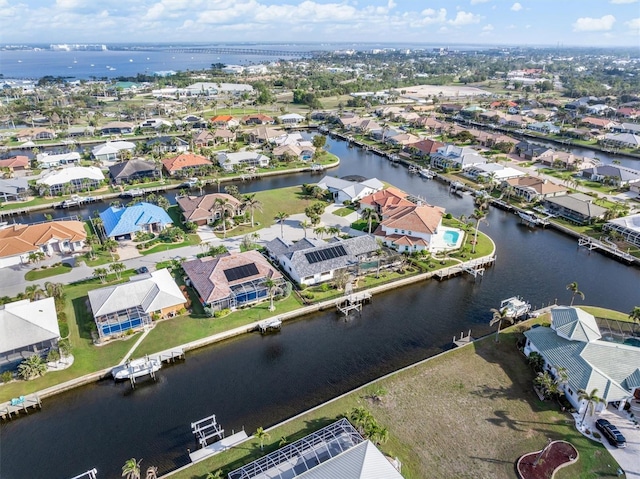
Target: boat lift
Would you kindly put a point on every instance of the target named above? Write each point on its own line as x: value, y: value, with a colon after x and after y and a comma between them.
x: 205, y: 429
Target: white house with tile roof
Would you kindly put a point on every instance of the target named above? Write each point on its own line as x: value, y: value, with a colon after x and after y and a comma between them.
x: 345, y: 190
x: 574, y: 342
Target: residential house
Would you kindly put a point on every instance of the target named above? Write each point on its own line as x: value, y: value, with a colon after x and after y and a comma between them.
x: 621, y: 140
x: 294, y: 151
x: 291, y: 119
x: 410, y: 228
x: 547, y: 127
x: 309, y: 262
x: 531, y: 151
x: 577, y: 208
x: 562, y: 159
x: 224, y: 121
x: 135, y: 304
x: 628, y: 112
x: 242, y: 159
x: 257, y: 119
x: 206, y: 209
x: 80, y: 131
x: 494, y: 173
x: 366, y: 125
x: 133, y: 170
x: 429, y: 123
x: 28, y: 328
x: 345, y: 190
x: 345, y: 454
x: 532, y: 189
x: 17, y: 241
x: 349, y: 120
x: 14, y: 189
x: 204, y: 138
x: 34, y: 134
x: 15, y: 163
x: 168, y: 144
x: 49, y: 160
x: 626, y: 128
x: 70, y: 180
x: 185, y: 164
x: 117, y: 128
x: 223, y: 135
x: 263, y: 134
x: 574, y: 343
x: 612, y: 175
x: 456, y: 157
x: 112, y: 150
x: 231, y: 280
x: 450, y: 108
x: 383, y: 199
x: 402, y: 139
x: 628, y: 227
x: 122, y: 223
x: 424, y: 148
x: 599, y: 123
x: 155, y: 124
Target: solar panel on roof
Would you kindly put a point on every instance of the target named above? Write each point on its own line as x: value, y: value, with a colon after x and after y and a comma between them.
x: 325, y: 254
x: 239, y: 272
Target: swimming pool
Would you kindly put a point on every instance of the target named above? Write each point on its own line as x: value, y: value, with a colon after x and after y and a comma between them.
x: 451, y: 237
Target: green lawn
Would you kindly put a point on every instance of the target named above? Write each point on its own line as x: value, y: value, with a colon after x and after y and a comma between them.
x: 36, y: 274
x: 476, y: 401
x: 190, y: 240
x: 87, y: 357
x: 34, y: 202
x: 342, y: 212
x: 607, y: 313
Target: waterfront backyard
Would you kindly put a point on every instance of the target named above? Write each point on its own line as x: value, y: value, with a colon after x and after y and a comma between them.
x: 469, y: 413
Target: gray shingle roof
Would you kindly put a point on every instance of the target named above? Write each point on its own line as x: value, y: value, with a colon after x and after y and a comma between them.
x: 355, y: 247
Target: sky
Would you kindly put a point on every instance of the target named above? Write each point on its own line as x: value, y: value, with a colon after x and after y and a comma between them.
x: 508, y: 22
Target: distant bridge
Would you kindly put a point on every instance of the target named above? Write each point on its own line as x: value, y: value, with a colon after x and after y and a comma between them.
x: 246, y: 51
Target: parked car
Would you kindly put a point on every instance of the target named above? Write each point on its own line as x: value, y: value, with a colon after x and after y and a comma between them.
x: 142, y: 270
x: 611, y: 432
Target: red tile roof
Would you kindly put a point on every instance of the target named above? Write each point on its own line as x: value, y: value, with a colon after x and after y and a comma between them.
x: 416, y: 218
x: 15, y: 162
x: 20, y: 239
x: 185, y: 160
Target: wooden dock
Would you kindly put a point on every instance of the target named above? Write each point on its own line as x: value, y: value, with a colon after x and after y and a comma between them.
x: 463, y: 340
x: 475, y: 268
x: 169, y: 356
x: 594, y: 244
x: 352, y: 302
x: 205, y: 429
x: 19, y: 405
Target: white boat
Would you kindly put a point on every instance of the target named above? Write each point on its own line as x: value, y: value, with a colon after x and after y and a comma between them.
x: 514, y: 307
x: 426, y: 173
x: 270, y: 325
x: 136, y: 368
x: 531, y: 218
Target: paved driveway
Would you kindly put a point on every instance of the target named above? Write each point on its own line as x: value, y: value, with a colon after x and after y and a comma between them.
x: 629, y: 457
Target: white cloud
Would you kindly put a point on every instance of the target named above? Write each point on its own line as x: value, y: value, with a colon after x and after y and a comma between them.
x: 516, y: 7
x: 487, y: 28
x: 587, y: 24
x: 431, y: 16
x: 620, y: 2
x: 465, y: 18
x: 633, y: 24
x: 475, y: 2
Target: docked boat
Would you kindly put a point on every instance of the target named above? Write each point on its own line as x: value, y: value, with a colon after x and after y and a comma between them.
x: 270, y: 325
x: 136, y: 368
x: 190, y: 183
x: 413, y: 169
x: 132, y: 193
x: 530, y: 218
x: 515, y: 307
x: 426, y: 173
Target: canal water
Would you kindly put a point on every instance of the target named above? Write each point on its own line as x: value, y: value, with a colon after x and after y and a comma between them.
x: 254, y: 380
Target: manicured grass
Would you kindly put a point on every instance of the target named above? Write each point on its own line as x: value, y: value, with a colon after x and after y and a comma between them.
x: 342, y: 212
x: 34, y: 202
x: 183, y: 329
x: 87, y: 357
x: 607, y: 313
x: 190, y: 240
x: 36, y: 274
x: 467, y: 414
x: 288, y: 200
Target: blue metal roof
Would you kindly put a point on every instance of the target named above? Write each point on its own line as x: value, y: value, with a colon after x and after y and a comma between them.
x: 119, y: 221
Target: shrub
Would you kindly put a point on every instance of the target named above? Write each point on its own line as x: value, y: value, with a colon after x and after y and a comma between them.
x: 324, y: 287
x: 222, y: 313
x: 53, y: 356
x: 6, y: 376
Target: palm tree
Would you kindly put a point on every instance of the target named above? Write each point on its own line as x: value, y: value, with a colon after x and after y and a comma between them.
x: 101, y: 273
x: 214, y: 475
x: 333, y: 230
x: 117, y: 268
x: 131, y: 469
x: 152, y: 472
x: 54, y: 290
x: 33, y: 292
x: 361, y: 418
x: 304, y: 224
x: 592, y: 400
x: 221, y: 205
x: 573, y: 287
x: 251, y: 202
x: 635, y: 314
x: 280, y: 217
x: 261, y: 435
x: 32, y: 367
x: 478, y: 215
x: 270, y: 285
x: 499, y: 315
x: 91, y: 241
x: 370, y: 215
x: 320, y: 231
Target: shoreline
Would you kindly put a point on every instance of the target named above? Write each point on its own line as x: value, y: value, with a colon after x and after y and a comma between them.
x: 244, y: 329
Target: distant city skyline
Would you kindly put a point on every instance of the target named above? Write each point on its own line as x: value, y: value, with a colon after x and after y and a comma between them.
x: 525, y: 22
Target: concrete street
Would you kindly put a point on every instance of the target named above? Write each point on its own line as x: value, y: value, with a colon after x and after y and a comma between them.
x: 12, y: 279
